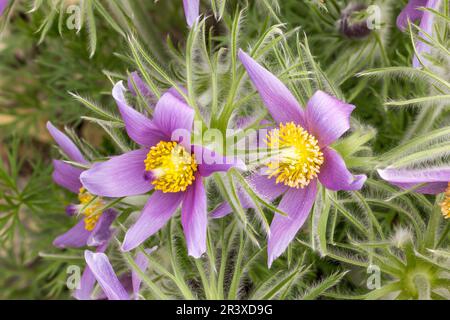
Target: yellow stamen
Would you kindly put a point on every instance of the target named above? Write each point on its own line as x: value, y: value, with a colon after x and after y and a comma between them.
x: 91, y: 212
x: 300, y: 157
x: 445, y: 205
x: 171, y: 166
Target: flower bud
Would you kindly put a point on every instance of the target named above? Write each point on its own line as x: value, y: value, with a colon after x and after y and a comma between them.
x: 353, y: 22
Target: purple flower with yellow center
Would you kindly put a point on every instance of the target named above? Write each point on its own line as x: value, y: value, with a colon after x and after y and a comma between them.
x: 167, y: 164
x: 99, y: 269
x: 426, y: 181
x: 94, y: 228
x: 412, y: 13
x: 3, y: 5
x: 191, y: 11
x: 303, y: 140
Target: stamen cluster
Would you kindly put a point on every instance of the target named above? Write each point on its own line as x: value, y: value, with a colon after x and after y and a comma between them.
x: 91, y: 209
x: 299, y: 159
x: 172, y: 168
x: 445, y: 205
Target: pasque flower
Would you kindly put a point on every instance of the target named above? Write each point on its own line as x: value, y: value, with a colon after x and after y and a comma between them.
x: 305, y: 156
x: 412, y: 13
x: 191, y: 11
x: 94, y: 228
x: 427, y: 181
x: 167, y: 164
x: 99, y: 269
x: 351, y: 27
x: 3, y: 5
x: 135, y: 80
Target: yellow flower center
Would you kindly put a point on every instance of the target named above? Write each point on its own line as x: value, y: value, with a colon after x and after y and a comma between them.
x: 91, y: 211
x: 172, y: 168
x: 300, y: 158
x: 445, y: 205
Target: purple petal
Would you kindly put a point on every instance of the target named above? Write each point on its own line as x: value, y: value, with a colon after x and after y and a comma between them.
x: 158, y: 210
x: 76, y: 237
x: 120, y: 176
x: 72, y: 209
x: 142, y: 262
x: 87, y: 283
x: 436, y: 179
x: 67, y: 176
x: 209, y: 161
x: 144, y: 90
x: 297, y: 204
x: 224, y: 208
x: 280, y: 102
x: 191, y: 11
x: 172, y: 114
x: 139, y: 128
x: 66, y: 145
x: 266, y: 188
x: 104, y: 273
x: 426, y: 24
x: 410, y: 12
x: 102, y: 231
x: 334, y: 174
x: 194, y: 218
x: 3, y: 5
x: 328, y: 118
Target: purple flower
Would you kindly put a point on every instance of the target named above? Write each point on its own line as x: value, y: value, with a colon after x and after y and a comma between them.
x: 433, y: 181
x: 191, y: 11
x: 144, y: 90
x: 99, y: 270
x: 303, y: 139
x: 94, y: 229
x: 166, y: 163
x: 412, y: 13
x: 349, y: 25
x: 3, y: 5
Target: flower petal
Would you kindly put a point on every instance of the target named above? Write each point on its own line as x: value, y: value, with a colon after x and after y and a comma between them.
x: 144, y: 90
x: 158, y: 210
x: 210, y: 161
x: 120, y: 176
x: 328, y: 118
x: 102, y: 231
x: 194, y: 218
x: 142, y: 262
x: 67, y: 176
x: 76, y: 237
x: 334, y: 174
x: 104, y: 273
x: 87, y: 283
x: 280, y: 102
x: 173, y: 114
x: 436, y: 179
x: 72, y: 209
x: 3, y: 5
x: 410, y: 12
x: 224, y: 208
x: 297, y: 204
x: 66, y: 145
x: 139, y: 128
x: 426, y: 24
x: 266, y: 188
x: 191, y: 11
